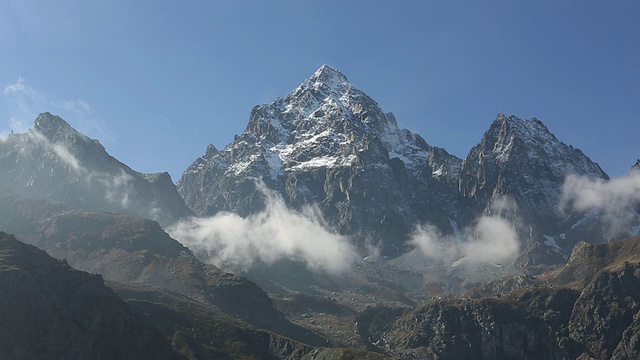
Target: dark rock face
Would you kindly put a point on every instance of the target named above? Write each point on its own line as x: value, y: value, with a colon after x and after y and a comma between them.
x: 53, y: 161
x: 328, y: 143
x: 595, y: 318
x: 523, y: 160
x: 374, y: 322
x: 50, y: 311
x: 489, y: 329
x: 538, y: 258
x: 606, y: 309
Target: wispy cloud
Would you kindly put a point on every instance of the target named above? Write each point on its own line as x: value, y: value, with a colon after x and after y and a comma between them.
x: 615, y: 200
x: 490, y: 239
x: 115, y: 189
x: 274, y: 234
x: 77, y: 106
x: 23, y: 104
x: 18, y: 87
x: 62, y: 151
x: 21, y: 101
x: 118, y: 189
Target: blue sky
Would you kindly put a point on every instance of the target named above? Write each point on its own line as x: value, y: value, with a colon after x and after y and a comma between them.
x: 156, y: 81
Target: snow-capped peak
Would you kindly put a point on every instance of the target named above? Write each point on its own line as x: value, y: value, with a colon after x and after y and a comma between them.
x: 325, y: 122
x: 326, y: 117
x: 327, y: 76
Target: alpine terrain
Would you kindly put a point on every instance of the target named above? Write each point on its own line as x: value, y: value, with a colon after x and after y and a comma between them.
x: 329, y: 144
x: 323, y: 231
x: 53, y: 161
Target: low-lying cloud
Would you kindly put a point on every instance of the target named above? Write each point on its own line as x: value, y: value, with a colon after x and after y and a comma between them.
x: 277, y: 233
x: 615, y: 200
x: 491, y: 239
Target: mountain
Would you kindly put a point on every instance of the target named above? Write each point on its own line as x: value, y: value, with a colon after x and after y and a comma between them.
x: 636, y: 166
x: 136, y: 251
x: 523, y: 160
x: 200, y: 332
x: 51, y: 311
x: 328, y: 143
x: 334, y: 158
x: 588, y: 309
x: 53, y: 161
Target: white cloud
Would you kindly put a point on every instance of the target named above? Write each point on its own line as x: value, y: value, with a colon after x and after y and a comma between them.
x: 490, y: 239
x: 614, y: 199
x: 267, y: 237
x: 494, y: 240
x: 117, y: 188
x: 59, y: 149
x: 434, y: 244
x: 66, y: 156
x: 76, y: 106
x: 19, y: 87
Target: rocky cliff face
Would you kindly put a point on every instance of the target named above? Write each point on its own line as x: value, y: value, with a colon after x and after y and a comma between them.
x: 587, y: 310
x: 521, y: 159
x: 328, y: 143
x: 53, y: 161
x: 487, y: 329
x: 50, y: 311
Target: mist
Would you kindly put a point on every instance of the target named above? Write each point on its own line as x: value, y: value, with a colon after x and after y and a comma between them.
x: 490, y: 239
x: 615, y: 200
x: 59, y: 149
x: 274, y: 234
x: 115, y: 189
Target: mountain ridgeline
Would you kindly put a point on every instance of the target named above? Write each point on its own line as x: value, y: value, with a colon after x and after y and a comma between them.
x: 53, y: 161
x: 325, y: 158
x: 328, y: 143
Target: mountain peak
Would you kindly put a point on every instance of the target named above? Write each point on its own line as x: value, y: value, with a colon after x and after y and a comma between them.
x: 502, y: 118
x: 327, y: 76
x: 524, y: 128
x: 49, y: 124
x: 326, y: 72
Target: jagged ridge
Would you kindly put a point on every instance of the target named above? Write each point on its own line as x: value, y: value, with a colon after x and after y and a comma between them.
x: 523, y: 160
x: 328, y: 143
x: 53, y: 161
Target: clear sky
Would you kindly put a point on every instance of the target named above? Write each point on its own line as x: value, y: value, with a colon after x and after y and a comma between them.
x: 156, y: 81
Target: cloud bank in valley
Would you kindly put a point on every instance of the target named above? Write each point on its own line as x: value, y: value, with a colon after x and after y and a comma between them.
x: 275, y: 234
x: 491, y: 239
x: 615, y: 200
